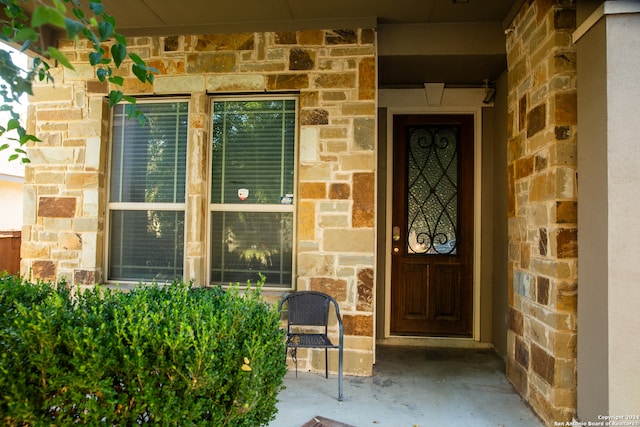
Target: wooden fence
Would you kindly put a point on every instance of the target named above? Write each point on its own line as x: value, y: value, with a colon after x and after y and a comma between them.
x: 10, y: 251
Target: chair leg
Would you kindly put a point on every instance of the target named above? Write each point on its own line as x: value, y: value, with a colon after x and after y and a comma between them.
x: 294, y: 357
x: 340, y: 396
x: 326, y: 363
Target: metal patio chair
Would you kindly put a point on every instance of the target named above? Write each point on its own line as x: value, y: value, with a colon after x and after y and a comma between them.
x: 307, y: 310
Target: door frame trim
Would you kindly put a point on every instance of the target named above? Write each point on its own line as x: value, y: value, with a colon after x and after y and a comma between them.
x: 475, y: 109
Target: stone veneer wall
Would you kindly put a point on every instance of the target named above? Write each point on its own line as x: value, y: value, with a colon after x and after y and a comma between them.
x: 334, y: 73
x: 542, y: 207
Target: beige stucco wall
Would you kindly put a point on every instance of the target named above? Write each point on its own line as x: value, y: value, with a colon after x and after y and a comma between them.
x: 608, y: 153
x: 11, y: 200
x: 334, y: 74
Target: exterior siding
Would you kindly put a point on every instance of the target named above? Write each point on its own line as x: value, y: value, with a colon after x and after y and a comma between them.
x: 334, y: 73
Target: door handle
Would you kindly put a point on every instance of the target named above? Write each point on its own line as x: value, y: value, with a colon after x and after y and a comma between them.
x: 396, y: 234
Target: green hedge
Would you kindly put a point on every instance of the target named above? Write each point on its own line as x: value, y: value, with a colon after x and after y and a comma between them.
x: 162, y: 355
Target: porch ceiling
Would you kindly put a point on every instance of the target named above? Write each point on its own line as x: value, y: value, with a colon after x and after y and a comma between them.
x: 420, y: 40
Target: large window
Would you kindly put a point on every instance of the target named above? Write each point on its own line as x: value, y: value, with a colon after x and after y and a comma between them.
x: 147, y: 193
x: 252, y: 189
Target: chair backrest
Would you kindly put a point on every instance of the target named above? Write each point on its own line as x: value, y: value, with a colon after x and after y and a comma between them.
x: 309, y: 308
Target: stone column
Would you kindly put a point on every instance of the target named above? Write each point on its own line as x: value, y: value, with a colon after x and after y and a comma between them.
x: 542, y: 206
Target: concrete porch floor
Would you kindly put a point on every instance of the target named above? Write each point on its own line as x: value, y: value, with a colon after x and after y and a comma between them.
x: 410, y: 386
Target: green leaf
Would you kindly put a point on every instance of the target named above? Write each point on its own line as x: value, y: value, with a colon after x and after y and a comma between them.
x: 73, y: 27
x: 115, y: 96
x: 79, y: 13
x: 25, y: 160
x: 4, y: 146
x: 95, y: 58
x: 13, y: 157
x: 116, y: 80
x: 140, y: 72
x: 135, y: 58
x: 91, y: 36
x: 105, y: 29
x: 96, y: 7
x: 13, y: 124
x: 26, y: 33
x: 102, y: 74
x: 26, y: 138
x: 119, y: 53
x: 43, y: 15
x: 58, y: 56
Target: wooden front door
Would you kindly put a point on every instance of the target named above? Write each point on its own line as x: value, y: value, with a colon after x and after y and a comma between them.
x: 432, y: 235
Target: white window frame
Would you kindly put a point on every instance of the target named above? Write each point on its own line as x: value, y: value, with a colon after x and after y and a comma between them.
x: 141, y: 206
x: 232, y: 207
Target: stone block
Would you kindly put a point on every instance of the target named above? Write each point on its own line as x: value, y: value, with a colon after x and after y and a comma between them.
x: 334, y: 132
x: 306, y: 220
x: 70, y: 241
x: 334, y: 221
x: 536, y: 119
x: 516, y: 321
x: 31, y: 249
x: 564, y: 344
x: 227, y: 42
x: 346, y: 80
x: 168, y: 66
x: 287, y: 81
x: 336, y: 37
x: 309, y: 99
x: 59, y: 115
x: 364, y: 133
x: 364, y: 161
x: 312, y: 190
x: 361, y: 325
x: 179, y: 84
x: 567, y: 297
x: 367, y: 79
x: 543, y: 290
x: 540, y: 163
x: 517, y: 375
x: 348, y: 240
x: 564, y: 18
x: 235, y: 82
x: 357, y: 363
x: 43, y: 270
x: 57, y: 207
x: 220, y: 62
x: 567, y: 243
x: 543, y: 242
x: 308, y: 144
x: 302, y: 59
x: 337, y: 288
x: 288, y: 37
x: 314, y: 116
x: 313, y: 264
x: 522, y: 353
x: 364, y: 108
x: 524, y: 167
x: 173, y: 43
x: 79, y: 180
x: 365, y: 290
x: 339, y: 190
x: 522, y: 283
x: 543, y: 364
x: 356, y: 260
x: 315, y: 172
x: 566, y: 108
x: 334, y: 95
